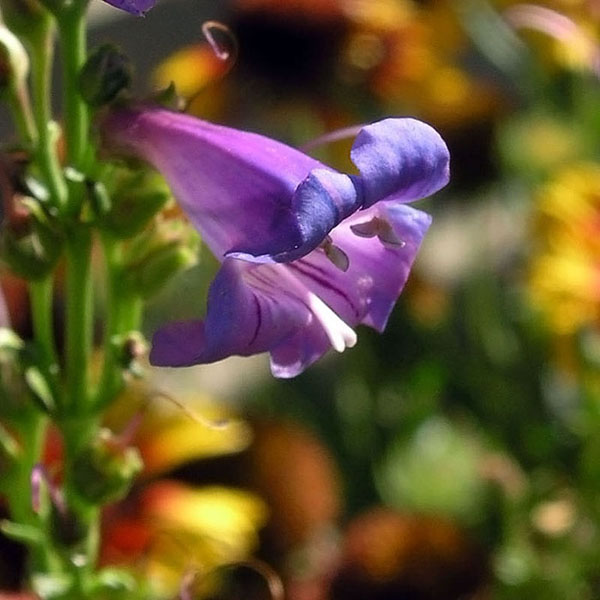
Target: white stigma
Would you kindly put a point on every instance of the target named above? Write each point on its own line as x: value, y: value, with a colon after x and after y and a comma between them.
x: 340, y: 334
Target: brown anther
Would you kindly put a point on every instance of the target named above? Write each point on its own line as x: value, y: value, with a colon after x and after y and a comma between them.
x: 378, y: 227
x: 335, y: 254
x: 367, y: 229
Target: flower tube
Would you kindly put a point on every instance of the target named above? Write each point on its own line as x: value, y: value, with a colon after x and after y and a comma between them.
x: 254, y: 198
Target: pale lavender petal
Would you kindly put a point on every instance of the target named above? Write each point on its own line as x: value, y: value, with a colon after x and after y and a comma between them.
x: 134, y: 7
x: 299, y: 351
x: 367, y: 291
x: 400, y: 159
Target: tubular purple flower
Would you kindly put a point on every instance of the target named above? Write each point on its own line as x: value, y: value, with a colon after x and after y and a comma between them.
x: 302, y: 265
x: 254, y: 198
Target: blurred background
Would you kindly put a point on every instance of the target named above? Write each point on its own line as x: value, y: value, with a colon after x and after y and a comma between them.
x: 457, y: 455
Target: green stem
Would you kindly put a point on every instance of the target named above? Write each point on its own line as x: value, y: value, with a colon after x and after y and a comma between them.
x: 41, y: 294
x: 123, y: 314
x: 17, y: 488
x: 72, y: 32
x: 77, y: 432
x: 20, y: 106
x: 42, y: 47
x: 79, y: 318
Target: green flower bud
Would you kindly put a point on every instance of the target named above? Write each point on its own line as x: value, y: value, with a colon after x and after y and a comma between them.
x: 136, y: 198
x: 30, y: 245
x: 104, y: 471
x: 104, y: 76
x: 158, y: 255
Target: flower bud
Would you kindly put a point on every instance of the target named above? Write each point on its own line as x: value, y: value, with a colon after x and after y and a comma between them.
x: 30, y: 246
x: 136, y: 198
x: 104, y: 76
x: 104, y: 471
x: 168, y: 249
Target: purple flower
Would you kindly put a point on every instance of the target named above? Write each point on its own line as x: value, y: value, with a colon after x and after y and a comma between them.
x: 254, y: 198
x: 134, y: 7
x: 302, y: 265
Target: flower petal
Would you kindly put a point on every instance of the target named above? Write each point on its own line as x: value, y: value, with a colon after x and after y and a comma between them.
x: 236, y: 187
x: 134, y: 7
x: 367, y: 291
x: 400, y: 159
x: 248, y: 312
x: 297, y: 311
x: 319, y: 203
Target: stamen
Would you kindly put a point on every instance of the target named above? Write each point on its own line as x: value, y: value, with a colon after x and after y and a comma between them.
x: 191, y: 414
x: 556, y: 25
x: 387, y: 235
x: 378, y: 227
x: 335, y: 254
x: 368, y: 229
x: 269, y: 576
x: 340, y: 334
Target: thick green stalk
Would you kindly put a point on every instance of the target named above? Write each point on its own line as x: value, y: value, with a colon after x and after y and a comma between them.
x: 79, y: 318
x: 72, y: 33
x: 77, y: 431
x: 17, y: 488
x: 42, y: 53
x: 41, y: 294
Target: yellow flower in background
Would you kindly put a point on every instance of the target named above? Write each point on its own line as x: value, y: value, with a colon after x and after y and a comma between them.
x: 191, y: 68
x: 196, y: 530
x: 564, y: 279
x: 165, y: 528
